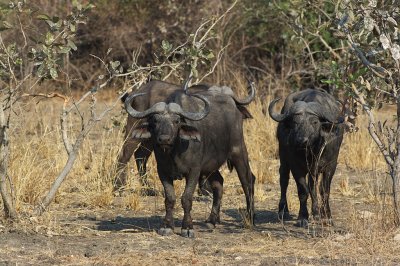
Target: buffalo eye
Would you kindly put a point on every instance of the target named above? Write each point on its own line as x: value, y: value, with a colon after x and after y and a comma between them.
x: 315, y: 121
x: 176, y: 121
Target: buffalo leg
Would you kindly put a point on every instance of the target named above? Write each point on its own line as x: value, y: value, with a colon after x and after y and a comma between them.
x: 325, y: 188
x: 204, y: 186
x: 142, y: 154
x: 187, y: 201
x: 216, y: 182
x: 241, y: 163
x: 283, y: 212
x: 170, y: 199
x: 124, y: 156
x: 312, y: 185
x: 302, y: 191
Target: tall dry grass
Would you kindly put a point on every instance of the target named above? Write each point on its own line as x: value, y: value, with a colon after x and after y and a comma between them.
x: 359, y: 152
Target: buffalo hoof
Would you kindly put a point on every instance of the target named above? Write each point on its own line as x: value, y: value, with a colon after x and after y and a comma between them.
x: 148, y: 192
x: 302, y: 223
x: 187, y: 233
x: 213, y: 220
x: 284, y: 216
x: 165, y: 231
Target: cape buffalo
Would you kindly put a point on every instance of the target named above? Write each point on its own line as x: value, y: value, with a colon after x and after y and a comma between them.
x: 190, y: 143
x: 153, y: 92
x: 310, y: 133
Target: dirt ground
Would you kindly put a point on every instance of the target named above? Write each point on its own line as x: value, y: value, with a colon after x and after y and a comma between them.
x: 77, y: 235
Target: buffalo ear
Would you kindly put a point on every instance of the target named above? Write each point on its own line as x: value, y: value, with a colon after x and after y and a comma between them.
x: 141, y: 131
x: 246, y: 114
x: 330, y: 127
x: 187, y: 132
x: 327, y: 126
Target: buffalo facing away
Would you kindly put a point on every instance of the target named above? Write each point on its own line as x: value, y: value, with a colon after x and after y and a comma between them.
x: 153, y: 92
x: 310, y: 134
x: 189, y: 143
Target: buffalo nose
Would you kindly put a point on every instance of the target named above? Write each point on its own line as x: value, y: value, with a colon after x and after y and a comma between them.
x: 163, y: 139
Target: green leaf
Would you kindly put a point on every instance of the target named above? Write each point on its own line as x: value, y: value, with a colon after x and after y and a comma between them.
x: 72, y: 27
x: 43, y: 17
x: 4, y: 25
x: 72, y: 45
x: 88, y: 7
x: 65, y: 49
x: 166, y: 45
x: 77, y: 5
x: 49, y: 38
x: 51, y: 24
x: 41, y: 70
x: 53, y: 73
x: 210, y: 55
x: 114, y: 64
x: 59, y: 24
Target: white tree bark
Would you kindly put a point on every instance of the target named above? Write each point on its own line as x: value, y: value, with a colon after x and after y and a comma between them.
x: 6, y: 185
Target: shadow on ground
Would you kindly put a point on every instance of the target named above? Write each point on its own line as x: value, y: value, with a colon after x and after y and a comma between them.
x: 141, y: 224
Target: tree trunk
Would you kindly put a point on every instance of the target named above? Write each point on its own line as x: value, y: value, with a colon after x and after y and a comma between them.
x: 6, y: 185
x: 395, y: 169
x: 396, y: 191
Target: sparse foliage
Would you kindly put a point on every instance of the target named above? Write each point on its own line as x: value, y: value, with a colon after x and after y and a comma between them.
x: 373, y: 73
x: 25, y: 60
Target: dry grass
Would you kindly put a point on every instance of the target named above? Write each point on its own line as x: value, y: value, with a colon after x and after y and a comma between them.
x: 359, y: 151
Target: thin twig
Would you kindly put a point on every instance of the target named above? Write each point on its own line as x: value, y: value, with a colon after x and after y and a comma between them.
x: 372, y: 127
x: 217, y: 20
x: 219, y: 57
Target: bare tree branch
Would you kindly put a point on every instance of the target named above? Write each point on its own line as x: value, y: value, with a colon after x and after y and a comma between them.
x: 372, y: 127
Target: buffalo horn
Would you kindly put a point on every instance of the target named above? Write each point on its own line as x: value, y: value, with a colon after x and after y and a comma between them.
x: 249, y: 98
x: 156, y: 108
x: 177, y: 109
x: 323, y: 112
x: 275, y: 116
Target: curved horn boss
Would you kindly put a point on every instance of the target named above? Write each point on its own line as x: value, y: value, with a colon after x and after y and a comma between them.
x: 276, y: 116
x: 249, y: 98
x: 156, y: 108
